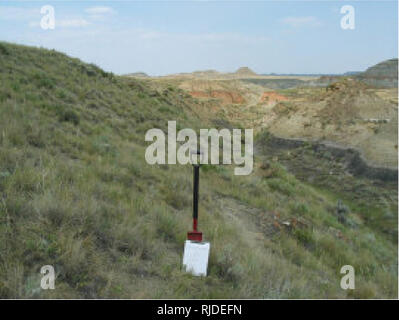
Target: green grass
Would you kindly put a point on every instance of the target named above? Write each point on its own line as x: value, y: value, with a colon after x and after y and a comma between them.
x: 76, y: 193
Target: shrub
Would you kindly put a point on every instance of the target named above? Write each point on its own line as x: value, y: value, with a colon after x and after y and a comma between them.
x: 43, y: 81
x: 300, y: 208
x: 36, y: 139
x: 168, y: 227
x: 281, y: 186
x: 69, y: 116
x: 177, y: 199
x: 304, y: 236
x: 226, y: 264
x: 4, y: 50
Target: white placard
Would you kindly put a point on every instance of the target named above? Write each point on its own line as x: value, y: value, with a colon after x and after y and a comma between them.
x: 195, y: 257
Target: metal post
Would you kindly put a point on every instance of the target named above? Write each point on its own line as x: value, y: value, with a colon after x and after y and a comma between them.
x: 195, y: 235
x: 195, y: 196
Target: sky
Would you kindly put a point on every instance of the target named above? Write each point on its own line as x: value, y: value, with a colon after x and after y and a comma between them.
x: 164, y: 37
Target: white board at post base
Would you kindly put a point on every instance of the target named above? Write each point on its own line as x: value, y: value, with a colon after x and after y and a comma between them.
x: 195, y: 257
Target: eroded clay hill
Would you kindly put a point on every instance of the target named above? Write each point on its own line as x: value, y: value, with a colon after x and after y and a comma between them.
x: 348, y: 113
x: 272, y: 97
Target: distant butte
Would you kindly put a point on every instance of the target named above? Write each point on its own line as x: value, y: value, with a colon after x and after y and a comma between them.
x: 245, y: 71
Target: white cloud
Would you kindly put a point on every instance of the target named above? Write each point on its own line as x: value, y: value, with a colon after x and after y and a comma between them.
x: 71, y: 23
x: 99, y: 12
x: 297, y: 22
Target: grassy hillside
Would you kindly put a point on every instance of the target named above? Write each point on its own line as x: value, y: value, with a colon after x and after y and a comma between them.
x: 76, y: 193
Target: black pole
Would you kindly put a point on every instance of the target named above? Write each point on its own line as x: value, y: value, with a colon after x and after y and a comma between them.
x: 195, y: 195
x: 195, y: 235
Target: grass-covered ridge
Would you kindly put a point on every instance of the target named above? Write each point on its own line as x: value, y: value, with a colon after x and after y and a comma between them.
x: 76, y: 193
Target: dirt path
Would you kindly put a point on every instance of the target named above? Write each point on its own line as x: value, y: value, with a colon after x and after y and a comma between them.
x: 256, y: 223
